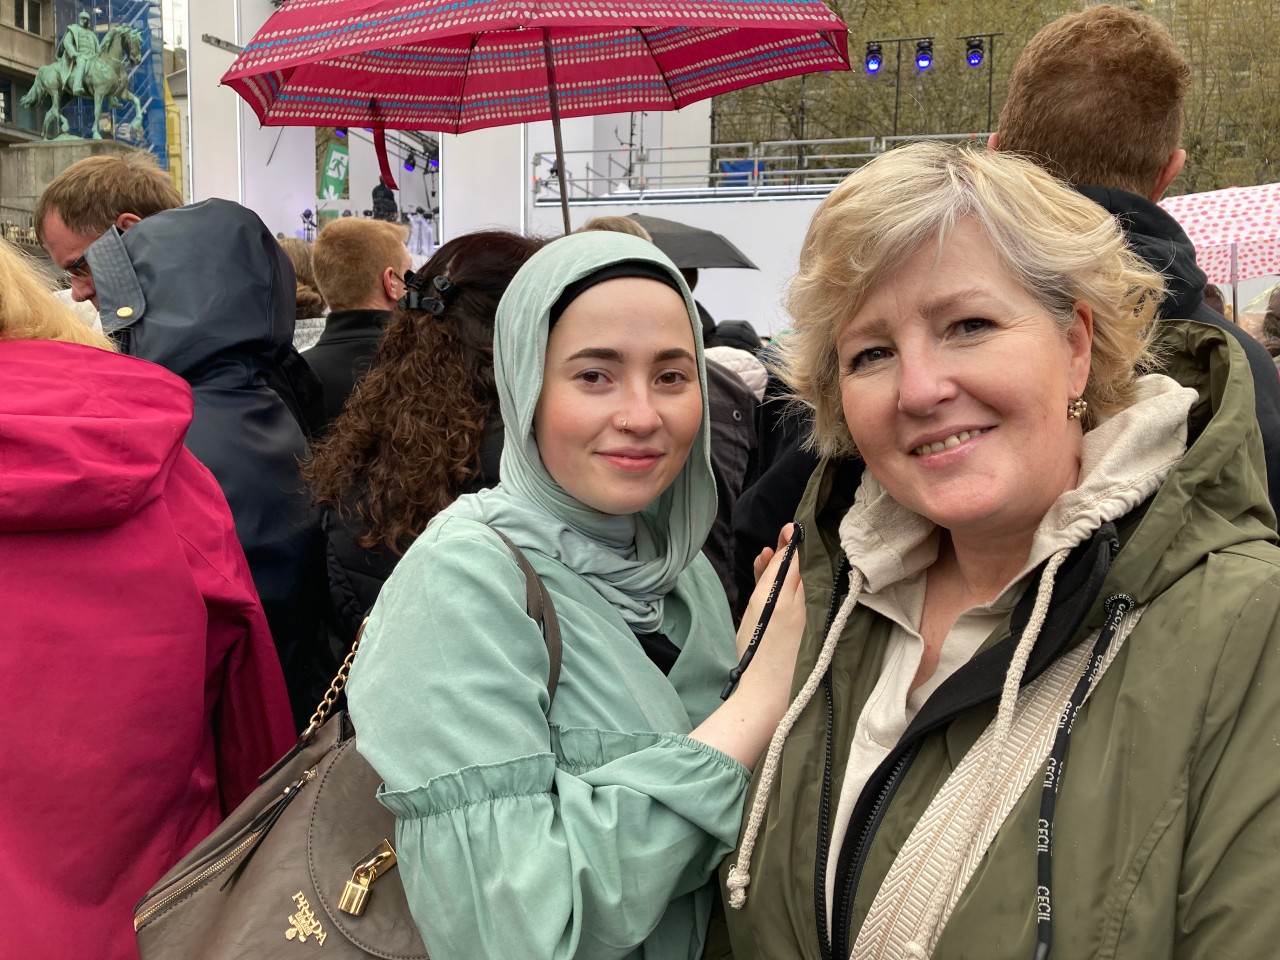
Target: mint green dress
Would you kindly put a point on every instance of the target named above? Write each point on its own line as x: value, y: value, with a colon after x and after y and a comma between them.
x: 590, y: 828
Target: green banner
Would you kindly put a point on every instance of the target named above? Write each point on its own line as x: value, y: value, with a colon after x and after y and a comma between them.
x: 333, y: 180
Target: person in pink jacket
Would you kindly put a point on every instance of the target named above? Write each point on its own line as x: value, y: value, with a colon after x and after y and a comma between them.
x: 142, y: 693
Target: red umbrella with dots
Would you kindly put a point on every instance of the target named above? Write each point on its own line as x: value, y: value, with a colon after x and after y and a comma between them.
x: 457, y: 65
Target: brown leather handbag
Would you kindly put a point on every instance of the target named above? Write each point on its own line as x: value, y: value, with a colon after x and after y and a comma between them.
x: 306, y: 862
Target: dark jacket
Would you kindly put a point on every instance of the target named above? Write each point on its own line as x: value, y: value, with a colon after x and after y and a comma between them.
x: 356, y: 573
x: 344, y: 353
x: 1155, y: 236
x: 732, y: 407
x: 1170, y: 794
x: 1158, y: 239
x: 206, y: 292
x: 780, y: 474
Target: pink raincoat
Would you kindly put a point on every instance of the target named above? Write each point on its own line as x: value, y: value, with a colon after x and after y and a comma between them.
x: 142, y: 695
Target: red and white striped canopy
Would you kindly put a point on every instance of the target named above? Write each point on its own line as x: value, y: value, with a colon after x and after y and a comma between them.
x: 458, y: 65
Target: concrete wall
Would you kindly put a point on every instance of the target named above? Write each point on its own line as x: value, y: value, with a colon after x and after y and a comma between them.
x: 488, y: 180
x: 482, y: 182
x: 269, y: 169
x: 20, y: 50
x: 27, y: 168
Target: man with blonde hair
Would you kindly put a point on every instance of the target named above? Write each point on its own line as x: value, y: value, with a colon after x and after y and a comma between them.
x: 359, y: 267
x: 1096, y: 98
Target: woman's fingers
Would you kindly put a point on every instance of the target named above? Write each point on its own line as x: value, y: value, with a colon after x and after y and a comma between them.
x: 766, y: 567
x: 761, y: 562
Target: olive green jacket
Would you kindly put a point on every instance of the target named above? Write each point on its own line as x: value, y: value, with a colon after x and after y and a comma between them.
x: 1167, y: 830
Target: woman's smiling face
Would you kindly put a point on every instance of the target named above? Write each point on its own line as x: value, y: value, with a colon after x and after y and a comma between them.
x: 620, y: 404
x: 955, y: 382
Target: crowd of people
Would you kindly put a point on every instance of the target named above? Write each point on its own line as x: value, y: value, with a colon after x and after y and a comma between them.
x: 942, y: 625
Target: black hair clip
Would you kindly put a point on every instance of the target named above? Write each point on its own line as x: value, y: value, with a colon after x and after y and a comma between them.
x: 445, y: 291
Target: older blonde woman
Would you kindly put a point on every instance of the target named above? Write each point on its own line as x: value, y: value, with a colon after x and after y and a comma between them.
x: 142, y: 692
x: 1039, y: 696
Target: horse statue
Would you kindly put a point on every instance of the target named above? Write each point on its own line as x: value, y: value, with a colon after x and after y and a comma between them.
x: 106, y: 76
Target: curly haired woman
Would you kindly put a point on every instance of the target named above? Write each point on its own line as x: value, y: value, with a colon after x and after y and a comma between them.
x: 421, y: 428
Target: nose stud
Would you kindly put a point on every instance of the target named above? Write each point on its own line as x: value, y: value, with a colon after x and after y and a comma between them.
x: 622, y: 424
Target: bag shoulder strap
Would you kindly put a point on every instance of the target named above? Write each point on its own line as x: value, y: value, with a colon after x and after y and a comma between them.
x: 539, y: 606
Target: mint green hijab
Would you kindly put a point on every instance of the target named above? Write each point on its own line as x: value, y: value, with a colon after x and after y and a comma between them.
x: 633, y: 561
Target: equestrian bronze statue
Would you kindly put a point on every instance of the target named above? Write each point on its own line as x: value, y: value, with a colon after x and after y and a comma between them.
x: 92, y: 69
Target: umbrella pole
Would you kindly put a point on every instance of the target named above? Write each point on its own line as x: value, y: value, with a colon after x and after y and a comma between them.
x: 555, y: 127
x: 1235, y: 286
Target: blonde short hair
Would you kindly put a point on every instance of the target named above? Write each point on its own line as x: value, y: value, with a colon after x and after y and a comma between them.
x: 1058, y: 246
x: 30, y: 311
x: 310, y: 302
x: 349, y: 256
x: 615, y: 224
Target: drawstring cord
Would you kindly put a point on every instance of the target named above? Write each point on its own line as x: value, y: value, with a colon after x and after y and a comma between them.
x: 740, y: 872
x: 920, y: 949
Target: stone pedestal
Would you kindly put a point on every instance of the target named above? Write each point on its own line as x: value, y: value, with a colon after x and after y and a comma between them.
x: 27, y: 168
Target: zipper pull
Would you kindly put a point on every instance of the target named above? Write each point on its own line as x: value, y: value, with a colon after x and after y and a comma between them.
x: 355, y: 896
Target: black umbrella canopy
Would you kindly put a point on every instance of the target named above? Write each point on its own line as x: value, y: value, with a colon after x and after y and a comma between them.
x: 693, y: 247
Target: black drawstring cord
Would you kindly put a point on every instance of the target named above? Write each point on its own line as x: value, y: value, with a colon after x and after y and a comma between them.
x: 797, y: 535
x: 1117, y: 606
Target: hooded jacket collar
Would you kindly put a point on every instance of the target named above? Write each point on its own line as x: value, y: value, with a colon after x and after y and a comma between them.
x: 87, y: 437
x: 190, y: 287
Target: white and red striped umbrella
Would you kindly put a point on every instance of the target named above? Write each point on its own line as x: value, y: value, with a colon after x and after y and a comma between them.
x: 459, y: 65
x: 1236, y: 231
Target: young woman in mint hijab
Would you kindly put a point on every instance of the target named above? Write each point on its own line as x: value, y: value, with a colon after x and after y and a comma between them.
x: 589, y: 828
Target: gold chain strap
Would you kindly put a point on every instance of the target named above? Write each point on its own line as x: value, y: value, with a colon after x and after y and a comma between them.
x: 335, y: 688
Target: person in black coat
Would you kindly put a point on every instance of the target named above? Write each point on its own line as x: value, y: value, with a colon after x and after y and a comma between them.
x: 420, y: 429
x: 206, y: 292
x: 359, y: 266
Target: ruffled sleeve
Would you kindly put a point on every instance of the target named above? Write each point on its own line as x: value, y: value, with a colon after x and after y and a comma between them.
x: 517, y: 837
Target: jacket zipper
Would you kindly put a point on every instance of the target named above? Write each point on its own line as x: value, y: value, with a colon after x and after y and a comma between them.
x: 824, y: 803
x: 841, y: 945
x: 846, y: 897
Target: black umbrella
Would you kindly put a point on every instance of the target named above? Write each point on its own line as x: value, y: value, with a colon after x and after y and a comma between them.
x: 692, y: 247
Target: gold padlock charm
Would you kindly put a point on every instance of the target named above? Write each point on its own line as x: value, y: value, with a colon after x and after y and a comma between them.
x: 355, y: 895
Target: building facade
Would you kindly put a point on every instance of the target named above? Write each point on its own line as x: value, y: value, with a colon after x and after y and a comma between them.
x: 26, y: 43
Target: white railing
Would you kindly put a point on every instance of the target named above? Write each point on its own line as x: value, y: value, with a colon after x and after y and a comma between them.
x: 765, y: 170
x: 17, y: 226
